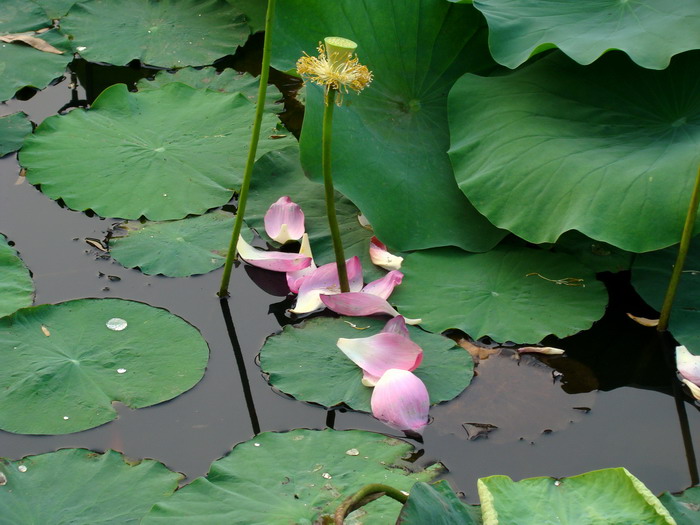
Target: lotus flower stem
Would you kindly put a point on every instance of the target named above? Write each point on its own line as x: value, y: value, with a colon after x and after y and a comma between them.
x: 252, y: 150
x: 365, y: 495
x: 327, y: 134
x: 682, y: 254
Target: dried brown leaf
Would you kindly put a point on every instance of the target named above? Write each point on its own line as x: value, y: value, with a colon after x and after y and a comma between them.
x: 643, y: 320
x: 30, y: 40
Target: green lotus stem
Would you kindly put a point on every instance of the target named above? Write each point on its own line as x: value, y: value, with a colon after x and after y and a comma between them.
x: 365, y: 495
x: 330, y: 192
x: 682, y: 254
x: 252, y: 150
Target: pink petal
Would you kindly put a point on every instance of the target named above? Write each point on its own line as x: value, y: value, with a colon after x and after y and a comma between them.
x: 384, y: 286
x: 294, y: 279
x: 396, y: 326
x: 378, y: 353
x: 275, y: 261
x: 284, y: 221
x: 325, y: 281
x: 360, y: 304
x: 401, y: 400
x: 380, y: 256
x: 688, y: 365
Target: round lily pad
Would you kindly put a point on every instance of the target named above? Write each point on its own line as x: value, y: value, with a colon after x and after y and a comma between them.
x: 510, y: 294
x: 189, y: 246
x: 19, y: 16
x: 610, y: 495
x: 162, y: 154
x: 304, y: 362
x: 13, y: 129
x: 294, y: 477
x: 16, y: 286
x: 64, y: 364
x: 684, y: 507
x: 436, y: 503
x: 55, y: 8
x: 167, y: 33
x: 82, y: 487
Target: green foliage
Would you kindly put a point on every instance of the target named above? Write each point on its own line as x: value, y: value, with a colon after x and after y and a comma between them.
x: 294, y: 477
x: 13, y: 129
x: 684, y: 507
x: 22, y: 15
x: 81, y: 487
x: 305, y: 363
x: 55, y: 8
x: 436, y: 504
x: 63, y: 365
x: 16, y: 286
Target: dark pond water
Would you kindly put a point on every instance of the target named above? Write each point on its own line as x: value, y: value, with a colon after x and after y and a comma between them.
x: 608, y: 404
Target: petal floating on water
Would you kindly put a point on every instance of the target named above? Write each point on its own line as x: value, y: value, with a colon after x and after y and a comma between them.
x: 401, y: 400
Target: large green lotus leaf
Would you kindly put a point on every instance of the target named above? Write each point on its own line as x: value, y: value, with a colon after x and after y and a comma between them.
x: 305, y: 362
x: 16, y: 286
x: 651, y: 273
x: 165, y: 33
x: 18, y: 16
x: 390, y: 142
x: 610, y: 495
x: 55, y: 8
x: 646, y: 30
x: 81, y: 487
x: 510, y: 294
x: 228, y: 81
x: 279, y: 173
x: 13, y: 129
x: 64, y: 364
x: 294, y: 477
x: 22, y: 65
x: 254, y: 11
x: 599, y: 256
x: 609, y: 149
x: 162, y: 154
x: 436, y: 504
x: 685, y: 507
x: 181, y: 248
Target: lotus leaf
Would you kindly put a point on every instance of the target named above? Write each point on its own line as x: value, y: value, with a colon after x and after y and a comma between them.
x: 651, y: 274
x: 56, y: 8
x: 13, y: 129
x: 602, y: 496
x: 167, y: 33
x: 609, y: 149
x: 390, y: 142
x: 294, y: 477
x: 510, y: 293
x: 64, y: 364
x: 162, y: 154
x: 305, y: 362
x: 22, y: 65
x: 436, y: 504
x: 189, y: 246
x: 684, y: 507
x: 81, y: 487
x: 19, y: 16
x: 279, y: 173
x: 646, y: 30
x: 599, y: 256
x: 16, y: 286
x: 254, y: 10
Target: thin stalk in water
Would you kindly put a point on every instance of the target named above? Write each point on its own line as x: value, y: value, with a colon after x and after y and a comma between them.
x: 252, y: 150
x: 365, y: 495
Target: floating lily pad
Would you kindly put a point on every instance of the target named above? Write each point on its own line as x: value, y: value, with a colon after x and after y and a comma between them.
x: 685, y: 507
x: 294, y: 477
x: 167, y: 33
x: 79, y: 486
x: 16, y: 286
x: 228, y: 81
x: 13, y: 129
x: 189, y: 246
x: 651, y: 273
x: 437, y: 504
x: 510, y: 293
x: 19, y: 16
x: 254, y: 10
x: 64, y: 364
x: 597, y: 255
x: 304, y: 362
x: 390, y: 142
x: 22, y: 65
x: 162, y: 154
x: 602, y: 496
x: 646, y: 30
x: 609, y: 150
x: 55, y: 8
x: 279, y: 173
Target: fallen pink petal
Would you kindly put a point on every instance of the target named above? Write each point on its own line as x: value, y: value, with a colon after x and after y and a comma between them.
x: 545, y: 350
x: 380, y: 256
x: 384, y: 286
x: 284, y: 221
x: 325, y: 281
x: 688, y: 365
x: 397, y: 325
x: 270, y: 260
x: 294, y: 279
x: 360, y: 304
x: 401, y: 400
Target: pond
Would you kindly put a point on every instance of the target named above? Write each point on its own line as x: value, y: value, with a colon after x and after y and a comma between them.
x: 610, y: 401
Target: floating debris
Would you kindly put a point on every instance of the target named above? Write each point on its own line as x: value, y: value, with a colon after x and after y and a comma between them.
x: 478, y: 430
x: 121, y: 370
x: 22, y: 468
x: 117, y: 324
x: 352, y: 452
x: 45, y: 331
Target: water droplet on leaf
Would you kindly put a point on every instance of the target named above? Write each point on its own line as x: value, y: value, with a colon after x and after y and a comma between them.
x: 117, y: 324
